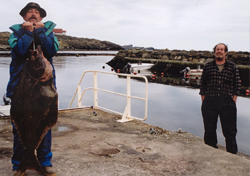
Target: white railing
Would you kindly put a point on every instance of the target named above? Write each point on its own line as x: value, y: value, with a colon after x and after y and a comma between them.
x: 126, y: 115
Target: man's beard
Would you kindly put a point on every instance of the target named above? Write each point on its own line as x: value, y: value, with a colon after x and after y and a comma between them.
x: 219, y: 58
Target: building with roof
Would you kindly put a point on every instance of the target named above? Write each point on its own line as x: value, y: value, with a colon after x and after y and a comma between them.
x: 59, y: 31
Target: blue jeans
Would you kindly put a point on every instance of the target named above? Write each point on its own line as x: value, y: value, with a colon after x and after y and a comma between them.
x: 44, y: 153
x: 225, y: 108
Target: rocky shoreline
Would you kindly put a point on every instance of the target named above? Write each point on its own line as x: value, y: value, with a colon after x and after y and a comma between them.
x: 200, y: 57
x: 77, y: 54
x: 69, y: 43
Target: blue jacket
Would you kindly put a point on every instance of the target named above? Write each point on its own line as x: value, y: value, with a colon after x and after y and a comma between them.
x: 21, y: 41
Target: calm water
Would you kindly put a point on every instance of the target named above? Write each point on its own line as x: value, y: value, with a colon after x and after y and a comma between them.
x: 170, y: 107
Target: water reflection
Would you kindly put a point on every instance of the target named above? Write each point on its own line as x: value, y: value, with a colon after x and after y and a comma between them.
x: 185, y: 80
x: 104, y: 52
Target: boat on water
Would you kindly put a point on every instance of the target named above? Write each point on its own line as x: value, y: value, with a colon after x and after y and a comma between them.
x: 5, y: 110
x: 192, y: 72
x: 141, y: 66
x: 137, y: 67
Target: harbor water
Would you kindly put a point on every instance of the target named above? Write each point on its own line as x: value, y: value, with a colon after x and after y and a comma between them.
x: 170, y: 107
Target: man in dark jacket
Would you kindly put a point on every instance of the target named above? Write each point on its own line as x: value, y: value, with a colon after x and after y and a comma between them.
x: 21, y: 41
x: 220, y: 86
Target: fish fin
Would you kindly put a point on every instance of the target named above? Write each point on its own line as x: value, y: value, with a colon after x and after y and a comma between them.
x: 31, y: 162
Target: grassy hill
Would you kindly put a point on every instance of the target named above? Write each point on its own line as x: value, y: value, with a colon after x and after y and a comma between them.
x: 69, y: 43
x: 4, y: 36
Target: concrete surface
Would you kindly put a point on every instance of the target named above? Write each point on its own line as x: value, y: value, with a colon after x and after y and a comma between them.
x: 85, y: 144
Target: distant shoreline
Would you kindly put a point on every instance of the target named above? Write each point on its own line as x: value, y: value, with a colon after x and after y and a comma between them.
x: 76, y: 53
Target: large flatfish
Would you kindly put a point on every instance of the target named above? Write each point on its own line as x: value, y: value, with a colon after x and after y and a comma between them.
x: 34, y: 107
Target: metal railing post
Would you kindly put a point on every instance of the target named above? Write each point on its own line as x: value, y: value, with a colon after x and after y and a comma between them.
x: 95, y: 90
x: 129, y: 95
x: 79, y: 102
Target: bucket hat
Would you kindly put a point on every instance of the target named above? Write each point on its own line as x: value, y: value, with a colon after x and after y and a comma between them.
x: 33, y: 5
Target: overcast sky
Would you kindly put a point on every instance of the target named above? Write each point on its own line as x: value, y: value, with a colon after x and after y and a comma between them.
x: 172, y: 24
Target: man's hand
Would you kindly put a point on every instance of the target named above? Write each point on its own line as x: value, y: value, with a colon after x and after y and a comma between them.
x: 38, y: 25
x: 235, y: 98
x: 28, y: 26
x: 202, y: 97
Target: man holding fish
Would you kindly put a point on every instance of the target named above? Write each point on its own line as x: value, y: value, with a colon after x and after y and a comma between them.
x: 27, y: 37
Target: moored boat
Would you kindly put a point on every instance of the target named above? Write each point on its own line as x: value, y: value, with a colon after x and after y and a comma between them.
x: 137, y: 67
x: 192, y: 72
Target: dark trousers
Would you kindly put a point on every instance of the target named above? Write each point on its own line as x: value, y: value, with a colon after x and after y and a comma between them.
x: 225, y: 108
x: 44, y: 153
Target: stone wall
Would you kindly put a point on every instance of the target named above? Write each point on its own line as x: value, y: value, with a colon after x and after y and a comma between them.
x: 178, y: 58
x: 239, y: 58
x: 172, y: 62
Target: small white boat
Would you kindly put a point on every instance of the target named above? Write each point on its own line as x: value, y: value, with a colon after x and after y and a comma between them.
x: 5, y: 110
x: 137, y: 67
x: 140, y: 66
x: 192, y: 72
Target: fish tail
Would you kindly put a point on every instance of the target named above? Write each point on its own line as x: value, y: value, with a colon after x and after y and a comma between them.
x: 31, y: 162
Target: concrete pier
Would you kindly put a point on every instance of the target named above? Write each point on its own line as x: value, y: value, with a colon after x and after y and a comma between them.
x: 92, y: 143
